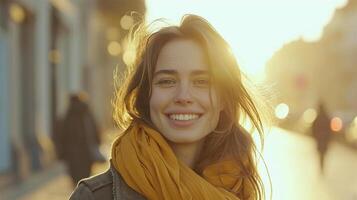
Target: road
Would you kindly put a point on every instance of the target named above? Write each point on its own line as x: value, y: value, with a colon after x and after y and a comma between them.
x: 295, y: 173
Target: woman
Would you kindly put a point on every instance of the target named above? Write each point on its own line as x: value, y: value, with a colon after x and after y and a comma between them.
x: 181, y: 106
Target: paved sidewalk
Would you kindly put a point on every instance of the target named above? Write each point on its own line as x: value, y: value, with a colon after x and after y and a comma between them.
x: 57, y: 188
x: 54, y: 183
x: 41, y: 181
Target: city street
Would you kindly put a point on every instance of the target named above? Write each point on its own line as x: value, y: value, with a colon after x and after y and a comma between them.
x: 293, y: 166
x: 295, y: 172
x: 66, y: 65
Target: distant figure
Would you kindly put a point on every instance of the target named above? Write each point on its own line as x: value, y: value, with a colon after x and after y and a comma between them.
x: 77, y: 139
x: 321, y: 133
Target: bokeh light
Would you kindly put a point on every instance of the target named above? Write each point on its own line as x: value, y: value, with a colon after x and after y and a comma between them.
x: 282, y: 111
x: 126, y: 22
x: 17, y: 13
x: 128, y: 57
x: 54, y: 56
x: 309, y: 115
x: 336, y: 124
x: 351, y: 132
x: 114, y: 48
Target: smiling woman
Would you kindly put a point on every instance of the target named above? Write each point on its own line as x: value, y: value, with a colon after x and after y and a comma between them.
x: 180, y: 107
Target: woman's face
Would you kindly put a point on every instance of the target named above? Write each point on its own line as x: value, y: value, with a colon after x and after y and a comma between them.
x: 184, y: 105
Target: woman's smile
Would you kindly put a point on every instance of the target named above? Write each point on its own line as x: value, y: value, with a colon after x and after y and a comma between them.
x: 182, y: 120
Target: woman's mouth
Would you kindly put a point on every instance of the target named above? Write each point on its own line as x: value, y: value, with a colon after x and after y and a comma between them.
x: 182, y: 120
x: 183, y: 117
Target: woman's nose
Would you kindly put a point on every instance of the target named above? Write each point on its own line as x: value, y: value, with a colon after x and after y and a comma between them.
x: 183, y: 95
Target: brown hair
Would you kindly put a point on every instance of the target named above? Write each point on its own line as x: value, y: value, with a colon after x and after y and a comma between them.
x: 230, y: 138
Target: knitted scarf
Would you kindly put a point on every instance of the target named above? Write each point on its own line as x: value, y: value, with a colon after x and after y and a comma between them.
x: 149, y: 166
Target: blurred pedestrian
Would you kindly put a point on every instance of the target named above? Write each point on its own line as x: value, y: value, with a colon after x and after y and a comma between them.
x: 77, y: 138
x: 322, y: 134
x: 180, y: 108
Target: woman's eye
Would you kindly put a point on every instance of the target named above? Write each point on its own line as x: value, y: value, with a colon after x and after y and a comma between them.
x: 166, y: 82
x: 202, y: 82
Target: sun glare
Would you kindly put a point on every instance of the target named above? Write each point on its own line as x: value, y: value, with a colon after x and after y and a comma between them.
x: 254, y: 29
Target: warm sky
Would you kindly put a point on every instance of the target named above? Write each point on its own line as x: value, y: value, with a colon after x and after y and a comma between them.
x: 255, y: 29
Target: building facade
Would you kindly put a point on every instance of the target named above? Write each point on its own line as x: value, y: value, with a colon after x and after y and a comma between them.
x: 36, y: 75
x: 306, y: 73
x: 48, y: 50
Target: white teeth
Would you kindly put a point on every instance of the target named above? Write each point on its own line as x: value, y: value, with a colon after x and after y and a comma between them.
x: 183, y: 117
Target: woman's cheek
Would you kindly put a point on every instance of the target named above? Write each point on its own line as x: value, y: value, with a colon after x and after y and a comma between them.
x: 159, y: 99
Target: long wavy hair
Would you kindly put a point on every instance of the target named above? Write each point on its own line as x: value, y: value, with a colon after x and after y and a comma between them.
x: 133, y: 94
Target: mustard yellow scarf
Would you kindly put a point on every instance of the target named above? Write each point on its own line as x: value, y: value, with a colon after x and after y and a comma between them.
x: 149, y: 166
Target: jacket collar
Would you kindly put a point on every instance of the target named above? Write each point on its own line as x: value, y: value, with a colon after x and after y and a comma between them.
x: 121, y: 191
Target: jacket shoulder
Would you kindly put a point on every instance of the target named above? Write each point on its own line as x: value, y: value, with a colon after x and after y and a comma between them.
x: 96, y: 187
x: 122, y: 190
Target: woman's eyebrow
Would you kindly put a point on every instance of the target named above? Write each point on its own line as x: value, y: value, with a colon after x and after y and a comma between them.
x: 174, y: 72
x: 200, y: 72
x: 165, y: 71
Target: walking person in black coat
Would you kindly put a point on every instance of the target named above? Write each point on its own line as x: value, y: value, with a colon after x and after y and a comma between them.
x: 322, y: 133
x: 77, y: 138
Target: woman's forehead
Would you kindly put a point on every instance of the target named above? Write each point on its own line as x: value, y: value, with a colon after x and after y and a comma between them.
x: 182, y: 54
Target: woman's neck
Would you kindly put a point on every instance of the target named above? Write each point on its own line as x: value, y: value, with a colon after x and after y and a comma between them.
x: 187, y: 152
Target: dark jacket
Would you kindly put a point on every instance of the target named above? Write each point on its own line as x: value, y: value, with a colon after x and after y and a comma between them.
x: 321, y: 129
x: 105, y: 186
x: 77, y: 139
